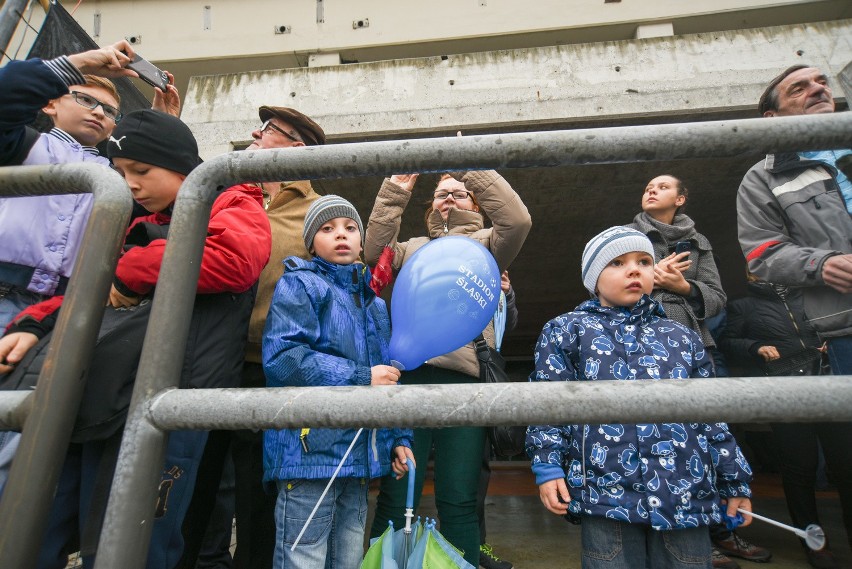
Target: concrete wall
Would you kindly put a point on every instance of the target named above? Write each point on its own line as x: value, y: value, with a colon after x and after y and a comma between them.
x: 175, y: 30
x: 641, y: 80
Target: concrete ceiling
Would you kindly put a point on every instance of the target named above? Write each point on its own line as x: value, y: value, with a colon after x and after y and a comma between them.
x: 568, y: 206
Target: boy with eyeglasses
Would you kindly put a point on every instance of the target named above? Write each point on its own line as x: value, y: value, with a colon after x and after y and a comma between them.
x: 41, y: 235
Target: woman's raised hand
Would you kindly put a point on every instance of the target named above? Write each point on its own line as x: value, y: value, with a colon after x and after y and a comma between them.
x: 404, y: 181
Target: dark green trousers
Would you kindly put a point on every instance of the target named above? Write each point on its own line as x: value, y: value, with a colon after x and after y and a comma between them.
x: 458, y: 457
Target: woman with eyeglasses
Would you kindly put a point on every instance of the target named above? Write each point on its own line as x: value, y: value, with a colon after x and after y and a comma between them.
x: 459, y: 205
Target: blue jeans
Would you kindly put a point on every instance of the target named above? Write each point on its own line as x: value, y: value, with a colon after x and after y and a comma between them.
x: 335, y: 537
x: 840, y: 355
x: 613, y: 544
x: 11, y: 303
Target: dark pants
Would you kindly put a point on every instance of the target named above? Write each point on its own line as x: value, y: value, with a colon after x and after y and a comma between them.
x: 74, y: 496
x: 458, y: 459
x: 798, y: 450
x: 207, y: 524
x: 482, y: 491
x: 254, y: 507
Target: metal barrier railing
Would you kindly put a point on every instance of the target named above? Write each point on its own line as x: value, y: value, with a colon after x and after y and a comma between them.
x: 156, y: 407
x: 127, y: 526
x: 52, y: 408
x: 744, y: 400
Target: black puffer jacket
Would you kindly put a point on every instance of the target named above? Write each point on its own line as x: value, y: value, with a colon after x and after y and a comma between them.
x: 762, y: 319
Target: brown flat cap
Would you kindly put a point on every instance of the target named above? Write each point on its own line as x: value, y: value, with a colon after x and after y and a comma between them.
x: 310, y: 132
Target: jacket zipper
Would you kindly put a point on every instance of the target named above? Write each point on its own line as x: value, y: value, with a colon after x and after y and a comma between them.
x: 303, y: 439
x: 374, y: 445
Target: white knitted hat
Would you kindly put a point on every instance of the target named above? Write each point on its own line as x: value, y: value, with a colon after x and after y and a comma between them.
x: 606, y: 246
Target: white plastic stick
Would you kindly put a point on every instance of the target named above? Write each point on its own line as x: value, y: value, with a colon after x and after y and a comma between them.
x: 799, y: 532
x: 324, y: 492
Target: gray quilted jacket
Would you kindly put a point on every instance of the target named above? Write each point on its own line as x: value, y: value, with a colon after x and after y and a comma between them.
x: 790, y: 218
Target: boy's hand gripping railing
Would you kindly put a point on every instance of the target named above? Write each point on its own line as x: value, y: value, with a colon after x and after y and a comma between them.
x: 28, y: 495
x: 127, y: 526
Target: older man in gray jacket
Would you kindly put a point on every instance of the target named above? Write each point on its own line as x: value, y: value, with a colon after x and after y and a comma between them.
x: 794, y: 216
x: 795, y: 229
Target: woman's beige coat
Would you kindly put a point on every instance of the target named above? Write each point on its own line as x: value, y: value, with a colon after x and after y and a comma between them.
x: 510, y: 221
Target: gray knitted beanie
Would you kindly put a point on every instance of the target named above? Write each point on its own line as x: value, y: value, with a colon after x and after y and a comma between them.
x: 324, y: 209
x: 606, y: 246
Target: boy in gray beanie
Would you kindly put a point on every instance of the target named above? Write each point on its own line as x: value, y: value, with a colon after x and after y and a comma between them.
x: 654, y: 488
x: 326, y: 327
x: 324, y: 210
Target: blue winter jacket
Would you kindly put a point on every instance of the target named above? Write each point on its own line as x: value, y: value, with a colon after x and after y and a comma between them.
x: 325, y: 327
x: 668, y: 475
x: 41, y: 232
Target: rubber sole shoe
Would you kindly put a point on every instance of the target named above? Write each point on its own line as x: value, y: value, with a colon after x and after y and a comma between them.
x: 722, y: 561
x: 487, y: 559
x: 822, y: 559
x: 735, y: 546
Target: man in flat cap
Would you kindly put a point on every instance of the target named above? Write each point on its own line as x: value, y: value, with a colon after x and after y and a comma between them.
x: 795, y: 229
x: 286, y: 205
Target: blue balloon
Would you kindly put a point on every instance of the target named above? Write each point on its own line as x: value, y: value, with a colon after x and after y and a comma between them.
x: 443, y: 298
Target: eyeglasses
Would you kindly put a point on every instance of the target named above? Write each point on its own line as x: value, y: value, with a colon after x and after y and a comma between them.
x: 457, y: 194
x: 90, y: 102
x: 268, y: 125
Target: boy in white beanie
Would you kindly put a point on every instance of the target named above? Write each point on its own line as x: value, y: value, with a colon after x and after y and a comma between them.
x: 327, y: 327
x: 645, y: 493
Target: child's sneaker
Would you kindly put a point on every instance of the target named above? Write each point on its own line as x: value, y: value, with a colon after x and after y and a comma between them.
x: 487, y: 559
x: 735, y: 546
x: 722, y: 561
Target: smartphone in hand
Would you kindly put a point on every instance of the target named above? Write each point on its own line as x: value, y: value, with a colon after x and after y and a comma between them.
x: 148, y: 72
x: 683, y: 247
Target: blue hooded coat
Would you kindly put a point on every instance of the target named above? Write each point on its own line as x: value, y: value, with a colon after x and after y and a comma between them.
x: 325, y: 327
x: 667, y: 475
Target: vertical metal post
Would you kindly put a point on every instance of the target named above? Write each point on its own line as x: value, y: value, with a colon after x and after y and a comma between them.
x: 128, y: 523
x: 10, y: 16
x: 28, y: 496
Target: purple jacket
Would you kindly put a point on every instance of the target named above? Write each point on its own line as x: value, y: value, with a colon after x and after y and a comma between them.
x: 43, y: 232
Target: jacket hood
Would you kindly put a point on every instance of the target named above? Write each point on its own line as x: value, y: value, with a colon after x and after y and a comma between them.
x: 341, y: 275
x: 784, y: 161
x: 250, y: 190
x: 640, y: 313
x: 459, y: 222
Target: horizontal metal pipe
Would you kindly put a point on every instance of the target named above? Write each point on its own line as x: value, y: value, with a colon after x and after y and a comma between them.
x: 747, y: 399
x: 14, y: 407
x: 532, y: 149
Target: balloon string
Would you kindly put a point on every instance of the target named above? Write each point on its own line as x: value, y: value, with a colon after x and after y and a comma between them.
x: 324, y: 492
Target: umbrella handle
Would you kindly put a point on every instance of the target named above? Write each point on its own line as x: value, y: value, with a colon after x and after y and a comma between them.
x: 409, y: 498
